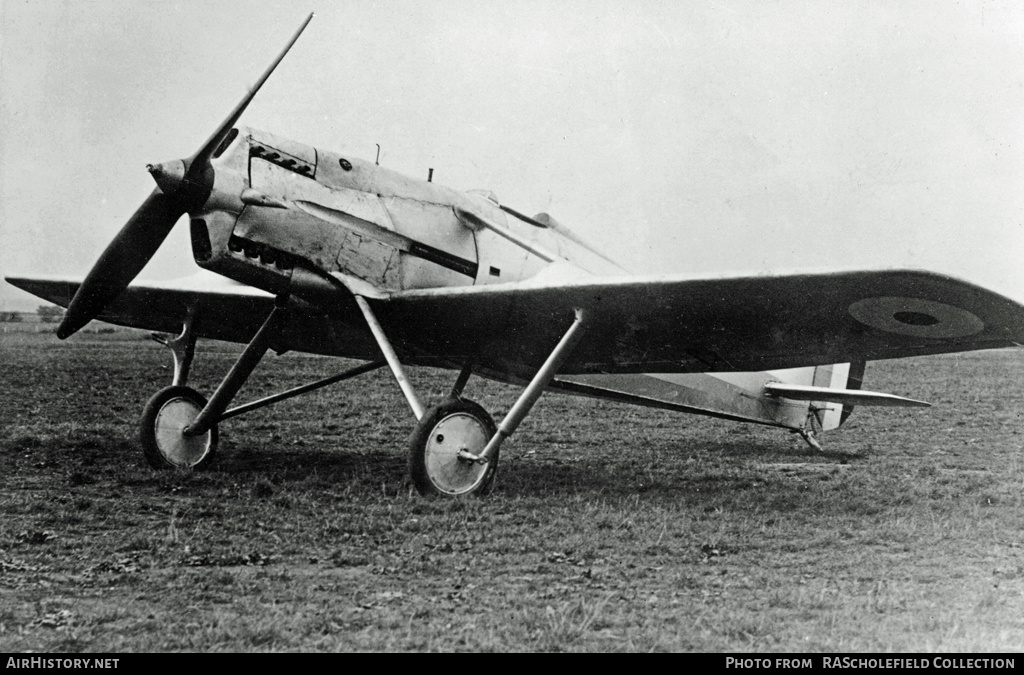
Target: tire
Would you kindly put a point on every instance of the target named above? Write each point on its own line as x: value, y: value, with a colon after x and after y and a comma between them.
x: 433, y: 447
x: 163, y: 419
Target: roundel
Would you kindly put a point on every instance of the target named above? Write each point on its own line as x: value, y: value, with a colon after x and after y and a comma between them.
x: 916, y: 317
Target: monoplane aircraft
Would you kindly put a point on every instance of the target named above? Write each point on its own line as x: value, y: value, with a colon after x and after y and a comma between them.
x: 321, y: 252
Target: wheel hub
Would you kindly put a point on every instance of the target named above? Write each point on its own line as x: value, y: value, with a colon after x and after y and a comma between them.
x: 449, y: 453
x: 171, y: 421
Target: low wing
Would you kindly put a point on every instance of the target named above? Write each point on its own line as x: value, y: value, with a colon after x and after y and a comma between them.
x: 665, y: 324
x: 163, y: 305
x: 226, y: 310
x: 676, y: 324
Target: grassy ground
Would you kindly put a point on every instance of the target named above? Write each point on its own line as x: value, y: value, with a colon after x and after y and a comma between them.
x: 611, y: 527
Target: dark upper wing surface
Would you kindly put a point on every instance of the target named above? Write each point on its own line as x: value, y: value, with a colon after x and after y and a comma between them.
x: 667, y: 324
x: 729, y: 323
x: 225, y: 310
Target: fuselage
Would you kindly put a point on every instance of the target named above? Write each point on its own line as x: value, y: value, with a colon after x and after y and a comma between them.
x: 292, y: 219
x: 278, y: 205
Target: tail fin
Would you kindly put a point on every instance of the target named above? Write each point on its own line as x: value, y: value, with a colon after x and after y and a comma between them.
x: 836, y: 376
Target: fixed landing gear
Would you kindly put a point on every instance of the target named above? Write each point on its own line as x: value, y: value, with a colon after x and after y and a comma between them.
x: 175, y: 408
x: 453, y: 450
x: 445, y: 448
x: 178, y: 428
x: 162, y: 427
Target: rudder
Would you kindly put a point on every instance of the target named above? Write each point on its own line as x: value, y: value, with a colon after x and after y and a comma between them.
x: 828, y: 415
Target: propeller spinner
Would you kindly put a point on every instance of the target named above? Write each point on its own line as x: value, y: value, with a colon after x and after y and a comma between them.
x: 183, y: 185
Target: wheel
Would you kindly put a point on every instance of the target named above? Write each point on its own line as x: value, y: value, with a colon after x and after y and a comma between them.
x: 434, y: 447
x: 163, y: 419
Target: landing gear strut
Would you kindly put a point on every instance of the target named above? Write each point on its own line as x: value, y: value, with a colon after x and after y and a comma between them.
x: 454, y: 448
x: 178, y: 428
x: 174, y: 408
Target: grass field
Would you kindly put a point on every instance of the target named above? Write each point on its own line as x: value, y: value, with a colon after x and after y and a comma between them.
x: 611, y: 528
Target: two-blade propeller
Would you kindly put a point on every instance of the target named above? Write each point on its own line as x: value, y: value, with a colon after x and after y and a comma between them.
x: 183, y: 185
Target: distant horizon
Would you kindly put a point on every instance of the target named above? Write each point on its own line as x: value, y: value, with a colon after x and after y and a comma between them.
x: 30, y: 310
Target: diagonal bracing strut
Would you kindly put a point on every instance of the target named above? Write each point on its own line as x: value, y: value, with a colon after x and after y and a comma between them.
x: 533, y: 391
x: 522, y: 406
x: 236, y: 377
x: 304, y: 389
x: 390, y: 356
x: 211, y: 415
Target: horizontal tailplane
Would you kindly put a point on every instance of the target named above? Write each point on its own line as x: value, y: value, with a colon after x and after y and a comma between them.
x: 798, y: 392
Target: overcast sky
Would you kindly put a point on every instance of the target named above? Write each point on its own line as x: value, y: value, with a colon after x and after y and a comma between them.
x: 696, y: 137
